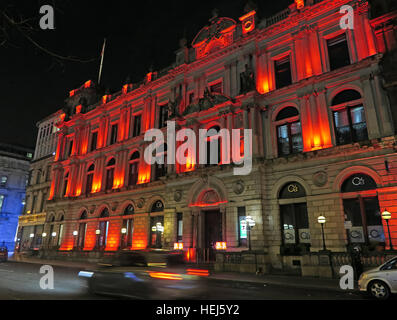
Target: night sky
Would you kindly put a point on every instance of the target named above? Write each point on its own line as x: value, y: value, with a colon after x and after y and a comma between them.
x: 139, y: 34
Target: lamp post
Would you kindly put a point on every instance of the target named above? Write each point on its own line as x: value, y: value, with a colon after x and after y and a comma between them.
x: 98, y: 235
x: 322, y: 220
x: 75, y: 233
x: 123, y: 235
x: 386, y: 215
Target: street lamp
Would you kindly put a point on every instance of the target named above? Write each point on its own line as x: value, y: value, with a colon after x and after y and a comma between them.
x: 386, y: 215
x: 322, y: 220
x: 75, y: 233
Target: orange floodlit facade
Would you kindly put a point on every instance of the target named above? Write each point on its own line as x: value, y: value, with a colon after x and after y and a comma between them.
x: 323, y: 137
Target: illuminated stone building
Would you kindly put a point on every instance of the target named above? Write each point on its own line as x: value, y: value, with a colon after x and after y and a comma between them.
x: 31, y: 222
x: 323, y: 134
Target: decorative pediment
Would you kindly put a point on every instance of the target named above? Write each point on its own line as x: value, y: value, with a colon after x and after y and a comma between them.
x: 218, y: 35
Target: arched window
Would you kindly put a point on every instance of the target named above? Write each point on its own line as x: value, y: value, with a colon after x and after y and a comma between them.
x: 90, y: 179
x: 349, y: 117
x: 133, y: 169
x: 128, y: 228
x: 362, y: 211
x: 294, y: 220
x: 157, y: 225
x: 65, y: 184
x: 213, y: 146
x: 102, y: 232
x: 289, y: 132
x: 80, y: 241
x: 161, y: 168
x: 110, y: 174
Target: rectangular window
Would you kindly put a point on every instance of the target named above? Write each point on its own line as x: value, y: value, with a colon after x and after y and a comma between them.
x: 133, y: 174
x: 60, y: 236
x: 1, y: 201
x: 70, y: 148
x: 216, y: 88
x: 88, y: 187
x: 137, y: 126
x: 109, y: 179
x: 81, y: 235
x: 338, y: 52
x: 113, y: 135
x: 163, y: 116
x: 289, y: 138
x: 94, y: 141
x: 3, y: 181
x: 282, y: 69
x: 242, y: 227
x: 179, y: 219
x: 34, y: 201
x: 295, y: 224
x: 350, y: 125
x: 191, y: 97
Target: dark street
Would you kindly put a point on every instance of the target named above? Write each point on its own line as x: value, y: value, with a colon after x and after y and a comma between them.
x: 20, y: 281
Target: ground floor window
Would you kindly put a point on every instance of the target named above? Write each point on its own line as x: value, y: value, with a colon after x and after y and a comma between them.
x: 295, y: 227
x: 103, y: 235
x: 366, y: 221
x: 242, y: 227
x: 156, y: 231
x: 81, y: 235
x: 127, y: 233
x: 179, y: 233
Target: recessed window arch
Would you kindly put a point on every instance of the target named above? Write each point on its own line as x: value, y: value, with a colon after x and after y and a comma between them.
x: 104, y: 213
x: 289, y: 131
x: 133, y: 169
x: 349, y: 117
x: 362, y: 211
x: 158, y: 206
x: 83, y: 215
x: 110, y: 173
x: 129, y: 210
x: 294, y: 219
x: 89, y: 179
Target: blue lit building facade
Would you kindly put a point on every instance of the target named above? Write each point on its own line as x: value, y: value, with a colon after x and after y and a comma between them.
x: 14, y: 172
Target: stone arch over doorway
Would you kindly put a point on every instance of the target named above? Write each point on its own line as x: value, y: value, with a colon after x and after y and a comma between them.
x: 198, y: 191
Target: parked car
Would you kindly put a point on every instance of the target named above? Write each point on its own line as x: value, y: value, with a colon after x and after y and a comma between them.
x: 3, y: 254
x: 152, y: 275
x: 380, y: 282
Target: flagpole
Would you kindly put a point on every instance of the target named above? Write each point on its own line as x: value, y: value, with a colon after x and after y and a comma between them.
x: 102, y: 56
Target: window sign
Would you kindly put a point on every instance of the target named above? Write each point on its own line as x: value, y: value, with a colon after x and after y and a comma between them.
x: 243, y: 228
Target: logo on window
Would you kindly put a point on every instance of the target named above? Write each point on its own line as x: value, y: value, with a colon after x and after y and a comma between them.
x: 293, y: 188
x: 358, y: 181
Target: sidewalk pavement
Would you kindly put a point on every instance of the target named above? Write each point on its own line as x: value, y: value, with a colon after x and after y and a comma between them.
x: 237, y: 278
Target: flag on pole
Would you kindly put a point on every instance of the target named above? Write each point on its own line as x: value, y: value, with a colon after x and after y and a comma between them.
x: 102, y: 56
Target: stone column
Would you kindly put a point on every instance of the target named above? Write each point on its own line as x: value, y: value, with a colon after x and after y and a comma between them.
x: 227, y: 82
x: 370, y: 109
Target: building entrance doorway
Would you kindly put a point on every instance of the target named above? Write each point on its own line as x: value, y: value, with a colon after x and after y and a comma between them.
x: 212, y: 233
